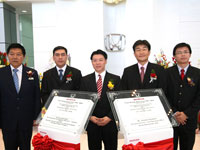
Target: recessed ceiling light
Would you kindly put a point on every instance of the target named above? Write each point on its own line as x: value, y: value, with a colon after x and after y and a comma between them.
x: 24, y: 11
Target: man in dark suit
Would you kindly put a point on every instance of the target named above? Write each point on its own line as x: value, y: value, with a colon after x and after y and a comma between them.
x: 183, y: 93
x: 19, y: 100
x: 102, y: 125
x: 61, y: 76
x: 143, y: 75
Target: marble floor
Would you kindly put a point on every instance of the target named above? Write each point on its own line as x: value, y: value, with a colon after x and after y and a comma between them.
x: 120, y: 142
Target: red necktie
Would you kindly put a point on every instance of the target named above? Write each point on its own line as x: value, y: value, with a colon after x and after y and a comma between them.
x: 142, y: 74
x: 99, y: 85
x: 182, y: 73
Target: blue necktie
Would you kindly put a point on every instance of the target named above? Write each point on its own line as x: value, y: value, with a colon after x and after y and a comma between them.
x: 61, y: 75
x: 16, y: 80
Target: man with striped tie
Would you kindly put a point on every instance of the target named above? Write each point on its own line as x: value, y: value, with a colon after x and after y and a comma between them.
x: 102, y: 125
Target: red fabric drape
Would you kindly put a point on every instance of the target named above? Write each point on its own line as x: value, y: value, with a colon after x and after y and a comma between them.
x: 159, y: 145
x: 45, y: 143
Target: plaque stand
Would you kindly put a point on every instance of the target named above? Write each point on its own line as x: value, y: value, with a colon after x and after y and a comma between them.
x: 66, y: 116
x: 144, y: 116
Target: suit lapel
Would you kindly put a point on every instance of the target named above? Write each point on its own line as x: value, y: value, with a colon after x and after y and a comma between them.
x: 55, y: 74
x: 177, y: 75
x: 24, y: 78
x: 10, y: 80
x: 147, y: 74
x: 105, y: 82
x: 137, y: 75
x: 189, y: 73
x: 93, y: 83
x: 67, y: 71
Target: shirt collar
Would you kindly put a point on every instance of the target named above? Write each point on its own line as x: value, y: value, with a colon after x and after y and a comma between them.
x: 102, y: 74
x: 145, y: 66
x: 63, y: 68
x: 185, y: 69
x: 19, y: 68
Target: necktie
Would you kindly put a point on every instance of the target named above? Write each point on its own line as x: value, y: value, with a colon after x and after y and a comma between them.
x: 142, y: 74
x: 182, y: 73
x: 99, y: 86
x: 60, y: 75
x: 16, y: 80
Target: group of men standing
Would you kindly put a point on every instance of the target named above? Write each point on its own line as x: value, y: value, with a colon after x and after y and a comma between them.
x: 21, y: 98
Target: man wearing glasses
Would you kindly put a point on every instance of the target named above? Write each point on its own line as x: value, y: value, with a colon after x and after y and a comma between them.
x: 183, y: 93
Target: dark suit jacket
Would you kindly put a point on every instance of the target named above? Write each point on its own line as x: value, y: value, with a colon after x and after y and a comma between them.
x: 182, y: 95
x: 18, y: 110
x: 102, y: 108
x: 51, y: 81
x: 131, y: 78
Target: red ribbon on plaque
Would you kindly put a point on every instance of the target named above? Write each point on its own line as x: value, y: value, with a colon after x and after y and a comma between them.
x: 45, y: 143
x: 159, y: 145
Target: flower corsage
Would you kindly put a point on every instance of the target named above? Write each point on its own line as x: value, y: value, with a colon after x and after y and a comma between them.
x: 30, y: 75
x: 69, y: 77
x: 111, y: 85
x: 153, y: 76
x: 190, y: 81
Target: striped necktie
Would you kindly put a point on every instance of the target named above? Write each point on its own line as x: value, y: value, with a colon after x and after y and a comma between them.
x: 99, y: 86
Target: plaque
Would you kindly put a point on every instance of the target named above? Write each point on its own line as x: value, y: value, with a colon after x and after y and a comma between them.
x: 66, y: 115
x: 144, y: 115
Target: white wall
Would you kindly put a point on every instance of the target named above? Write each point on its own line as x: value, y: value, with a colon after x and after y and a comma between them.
x: 80, y: 26
x: 77, y: 25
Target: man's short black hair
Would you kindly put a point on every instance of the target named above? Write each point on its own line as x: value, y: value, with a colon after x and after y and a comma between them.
x: 16, y: 45
x: 141, y: 42
x: 58, y: 48
x: 99, y: 52
x: 179, y: 45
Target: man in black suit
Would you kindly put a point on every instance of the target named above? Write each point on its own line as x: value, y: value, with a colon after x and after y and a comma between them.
x: 102, y: 125
x: 183, y: 93
x: 143, y: 75
x: 61, y: 76
x: 19, y: 100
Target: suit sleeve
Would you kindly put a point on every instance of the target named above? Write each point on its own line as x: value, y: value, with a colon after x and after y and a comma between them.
x: 163, y: 80
x: 169, y: 91
x: 123, y: 83
x: 195, y: 105
x: 44, y: 89
x: 77, y: 80
x: 37, y: 96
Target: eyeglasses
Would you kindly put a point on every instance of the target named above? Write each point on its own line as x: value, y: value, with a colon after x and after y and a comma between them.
x: 180, y: 52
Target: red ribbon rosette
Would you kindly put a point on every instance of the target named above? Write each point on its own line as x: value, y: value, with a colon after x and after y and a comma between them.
x: 153, y: 75
x: 166, y: 144
x: 69, y: 76
x: 42, y: 143
x: 45, y: 143
x: 138, y: 146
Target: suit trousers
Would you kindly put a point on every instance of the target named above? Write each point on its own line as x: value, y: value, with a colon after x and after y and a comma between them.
x: 185, y: 136
x: 17, y: 139
x: 108, y: 134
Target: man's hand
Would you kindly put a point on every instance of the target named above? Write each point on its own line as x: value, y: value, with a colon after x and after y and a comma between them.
x: 181, y: 117
x: 103, y: 121
x: 94, y: 119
